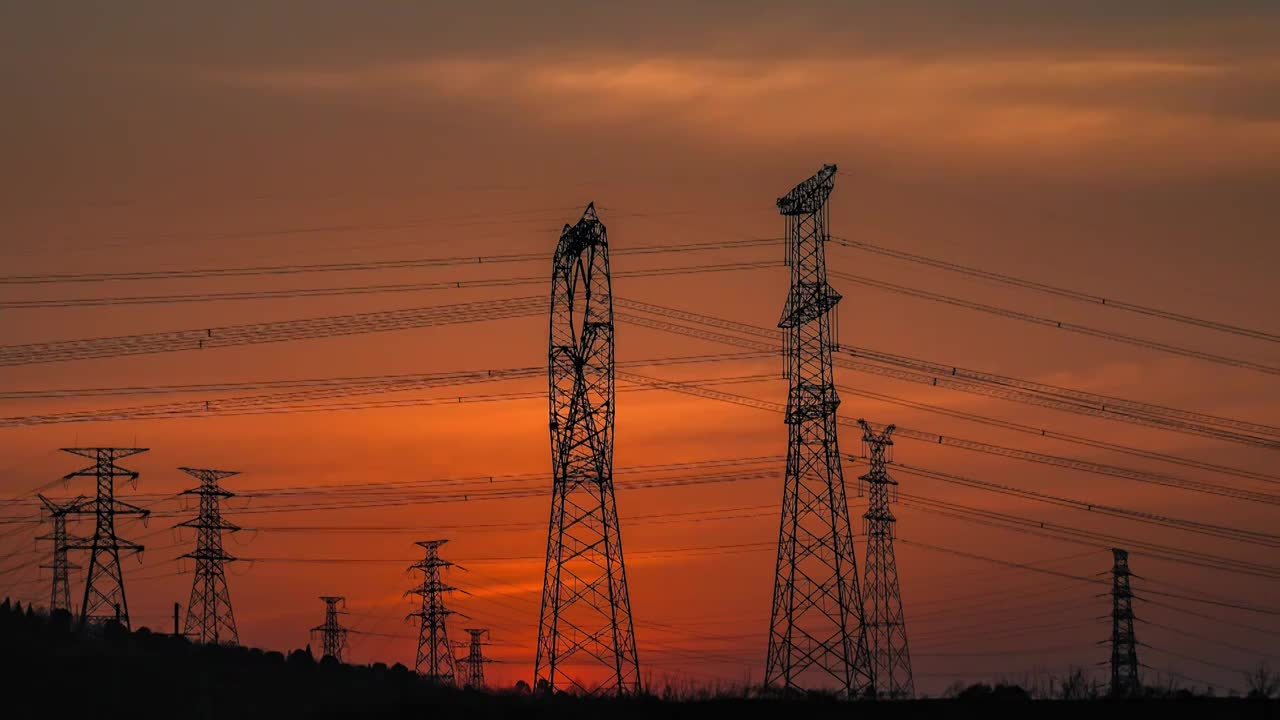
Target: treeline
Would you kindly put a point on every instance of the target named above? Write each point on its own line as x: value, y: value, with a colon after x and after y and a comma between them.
x: 53, y: 669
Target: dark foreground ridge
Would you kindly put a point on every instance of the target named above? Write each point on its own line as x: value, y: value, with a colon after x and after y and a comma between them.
x: 108, y: 672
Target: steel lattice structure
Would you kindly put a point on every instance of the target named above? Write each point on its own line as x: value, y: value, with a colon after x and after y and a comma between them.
x: 60, y: 590
x: 885, y: 622
x: 104, y: 596
x: 473, y: 662
x: 333, y: 637
x: 586, y: 612
x: 209, y: 615
x: 1124, y: 648
x: 434, y: 651
x: 816, y: 633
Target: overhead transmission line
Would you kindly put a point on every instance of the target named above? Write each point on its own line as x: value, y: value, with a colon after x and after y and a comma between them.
x: 396, y: 494
x: 1220, y: 531
x: 341, y: 381
x: 289, y: 402
x: 382, y: 383
x: 1054, y: 290
x: 364, y: 289
x: 270, y: 332
x: 480, y: 493
x: 861, y: 359
x: 1056, y: 435
x: 1164, y: 552
x: 927, y: 372
x: 1086, y: 579
x: 1058, y: 324
x: 1256, y: 652
x: 284, y: 403
x: 1102, y: 541
x: 399, y: 488
x: 987, y: 448
x: 408, y: 490
x: 399, y: 264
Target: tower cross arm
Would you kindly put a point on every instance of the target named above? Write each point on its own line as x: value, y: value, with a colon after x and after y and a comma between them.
x: 810, y: 195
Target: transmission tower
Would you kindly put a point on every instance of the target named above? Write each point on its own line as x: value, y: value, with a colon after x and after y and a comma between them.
x: 435, y: 656
x: 473, y: 662
x: 1124, y: 648
x: 104, y: 596
x: 333, y: 637
x: 885, y: 622
x: 816, y: 633
x: 209, y: 615
x: 60, y: 593
x: 586, y: 612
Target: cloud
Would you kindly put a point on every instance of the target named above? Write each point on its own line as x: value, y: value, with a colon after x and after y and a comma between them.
x: 1151, y: 114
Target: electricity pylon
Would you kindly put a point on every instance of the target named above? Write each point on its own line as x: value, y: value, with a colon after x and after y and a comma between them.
x: 435, y: 656
x: 885, y: 622
x: 473, y: 662
x: 586, y: 612
x: 209, y: 615
x: 816, y: 633
x: 333, y: 637
x: 1124, y: 648
x: 60, y: 592
x: 104, y: 596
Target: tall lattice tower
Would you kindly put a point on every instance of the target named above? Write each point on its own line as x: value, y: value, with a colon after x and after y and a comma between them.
x: 885, y: 622
x: 816, y: 634
x: 435, y: 656
x: 60, y: 590
x: 1124, y: 648
x: 586, y: 612
x: 209, y: 615
x: 104, y: 596
x: 473, y: 662
x: 333, y: 637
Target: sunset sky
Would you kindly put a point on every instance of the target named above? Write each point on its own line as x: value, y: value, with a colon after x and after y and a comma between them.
x: 1128, y: 150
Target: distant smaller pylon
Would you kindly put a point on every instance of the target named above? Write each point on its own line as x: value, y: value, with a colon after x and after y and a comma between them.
x: 210, y: 618
x: 882, y: 595
x: 1124, y: 648
x: 472, y: 664
x: 333, y: 637
x: 60, y: 592
x: 434, y: 659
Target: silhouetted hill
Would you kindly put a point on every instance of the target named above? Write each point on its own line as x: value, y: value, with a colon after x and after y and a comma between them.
x: 55, y: 671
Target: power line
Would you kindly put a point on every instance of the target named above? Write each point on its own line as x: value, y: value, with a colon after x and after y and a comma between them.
x: 1065, y: 437
x: 1065, y: 533
x: 1093, y: 580
x: 1058, y: 324
x: 1056, y: 291
x: 464, y: 494
x: 359, y: 289
x: 1223, y: 531
x: 256, y: 333
x: 286, y: 403
x: 987, y: 448
x: 289, y: 384
x: 1216, y: 641
x: 1213, y: 618
x: 404, y: 263
x: 901, y: 367
x: 1193, y: 658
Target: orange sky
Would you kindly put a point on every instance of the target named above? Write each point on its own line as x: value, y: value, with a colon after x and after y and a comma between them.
x: 1132, y: 153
